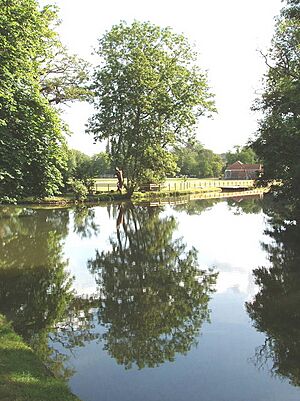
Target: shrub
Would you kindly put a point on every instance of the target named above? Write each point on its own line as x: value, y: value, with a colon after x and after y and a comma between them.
x: 80, y: 190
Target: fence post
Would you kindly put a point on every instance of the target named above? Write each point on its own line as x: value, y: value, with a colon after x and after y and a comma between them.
x: 108, y: 187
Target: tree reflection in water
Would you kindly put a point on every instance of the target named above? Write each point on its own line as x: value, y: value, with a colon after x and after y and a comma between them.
x: 153, y: 298
x: 35, y: 288
x: 84, y: 222
x: 245, y: 205
x: 275, y: 310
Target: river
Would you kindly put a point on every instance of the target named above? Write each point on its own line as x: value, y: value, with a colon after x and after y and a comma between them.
x: 190, y: 301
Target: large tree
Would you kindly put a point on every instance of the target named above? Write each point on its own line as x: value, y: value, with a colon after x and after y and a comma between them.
x: 278, y: 138
x: 33, y: 73
x: 148, y: 95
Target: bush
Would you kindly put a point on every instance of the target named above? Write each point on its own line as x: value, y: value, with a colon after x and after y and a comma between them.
x: 80, y: 190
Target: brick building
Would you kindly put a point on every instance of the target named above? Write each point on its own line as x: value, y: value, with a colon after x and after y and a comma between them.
x: 241, y: 171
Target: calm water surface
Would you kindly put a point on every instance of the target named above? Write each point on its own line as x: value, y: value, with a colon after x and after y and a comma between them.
x: 196, y: 301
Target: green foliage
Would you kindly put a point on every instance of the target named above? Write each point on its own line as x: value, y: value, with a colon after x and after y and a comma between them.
x: 33, y: 73
x: 278, y: 139
x: 83, y: 167
x: 148, y: 94
x: 64, y: 78
x: 196, y: 161
x: 79, y: 165
x: 101, y: 165
x: 80, y: 190
x: 244, y: 154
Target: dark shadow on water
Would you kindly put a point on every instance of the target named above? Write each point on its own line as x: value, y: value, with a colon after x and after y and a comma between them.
x: 275, y: 310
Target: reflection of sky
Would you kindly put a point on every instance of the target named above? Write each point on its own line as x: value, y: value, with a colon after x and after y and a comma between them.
x: 79, y: 250
x: 230, y: 243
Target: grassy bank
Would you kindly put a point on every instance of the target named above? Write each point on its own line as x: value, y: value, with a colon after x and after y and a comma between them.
x: 22, y: 376
x: 114, y: 196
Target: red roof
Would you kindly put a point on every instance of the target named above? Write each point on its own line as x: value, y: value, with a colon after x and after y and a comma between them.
x: 241, y: 166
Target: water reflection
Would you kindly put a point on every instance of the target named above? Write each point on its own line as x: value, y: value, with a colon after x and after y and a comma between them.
x: 84, y: 222
x: 246, y: 205
x: 150, y: 298
x: 153, y: 298
x: 196, y: 206
x: 35, y: 287
x: 275, y: 309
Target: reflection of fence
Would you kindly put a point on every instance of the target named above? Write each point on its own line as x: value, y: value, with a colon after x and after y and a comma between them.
x: 194, y: 184
x: 178, y: 185
x: 183, y: 199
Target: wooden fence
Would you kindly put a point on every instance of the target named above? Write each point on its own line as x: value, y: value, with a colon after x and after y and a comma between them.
x: 179, y: 185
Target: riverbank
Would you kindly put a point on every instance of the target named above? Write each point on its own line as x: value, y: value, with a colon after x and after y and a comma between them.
x: 22, y: 376
x: 114, y: 196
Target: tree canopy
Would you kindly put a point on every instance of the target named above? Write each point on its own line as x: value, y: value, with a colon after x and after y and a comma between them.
x: 148, y: 94
x: 278, y: 140
x: 196, y: 161
x: 33, y: 73
x: 244, y: 154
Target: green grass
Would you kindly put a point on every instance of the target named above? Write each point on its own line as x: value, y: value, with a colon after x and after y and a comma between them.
x: 22, y: 376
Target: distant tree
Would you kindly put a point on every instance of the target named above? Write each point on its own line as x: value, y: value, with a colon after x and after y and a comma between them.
x: 80, y: 165
x: 101, y: 165
x: 278, y: 140
x: 83, y: 167
x: 148, y: 94
x: 244, y: 154
x: 195, y: 160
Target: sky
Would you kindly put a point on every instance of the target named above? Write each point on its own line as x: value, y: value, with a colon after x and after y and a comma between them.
x: 228, y: 35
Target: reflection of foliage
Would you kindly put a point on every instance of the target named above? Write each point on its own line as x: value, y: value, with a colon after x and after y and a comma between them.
x: 153, y: 297
x: 275, y: 310
x: 84, y: 222
x: 35, y: 289
x: 248, y: 205
x: 196, y: 206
